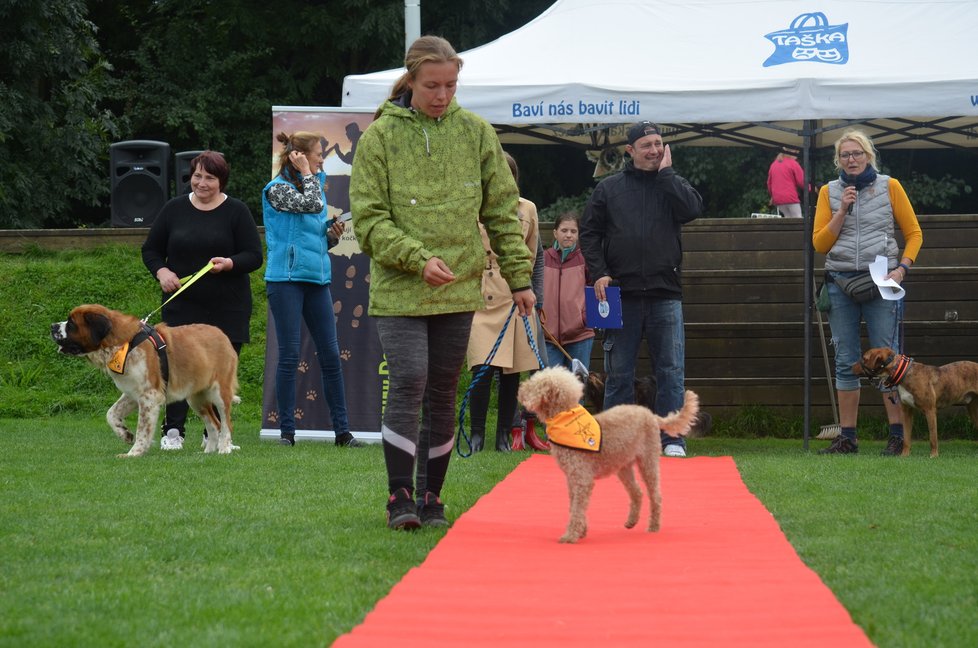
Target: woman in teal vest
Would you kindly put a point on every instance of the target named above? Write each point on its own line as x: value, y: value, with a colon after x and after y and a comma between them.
x: 297, y: 278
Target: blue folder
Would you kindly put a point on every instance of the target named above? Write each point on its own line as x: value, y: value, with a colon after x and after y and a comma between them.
x: 603, y: 315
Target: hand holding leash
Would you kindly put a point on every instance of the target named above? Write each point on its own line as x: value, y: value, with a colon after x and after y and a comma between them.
x: 181, y: 285
x: 169, y: 281
x: 525, y: 300
x: 221, y: 264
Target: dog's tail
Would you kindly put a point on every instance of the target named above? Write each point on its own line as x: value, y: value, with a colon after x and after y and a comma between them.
x: 679, y: 422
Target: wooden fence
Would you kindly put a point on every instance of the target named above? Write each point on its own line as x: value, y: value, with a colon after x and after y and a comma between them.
x: 744, y: 309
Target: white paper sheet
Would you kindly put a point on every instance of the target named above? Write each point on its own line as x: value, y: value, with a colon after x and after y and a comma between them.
x: 888, y: 288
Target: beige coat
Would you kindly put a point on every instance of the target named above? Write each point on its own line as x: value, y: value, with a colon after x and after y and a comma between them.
x: 514, y: 353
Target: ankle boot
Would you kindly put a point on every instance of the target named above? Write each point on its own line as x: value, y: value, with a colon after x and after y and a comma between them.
x: 502, y: 440
x: 517, y: 443
x: 478, y: 440
x: 531, y: 438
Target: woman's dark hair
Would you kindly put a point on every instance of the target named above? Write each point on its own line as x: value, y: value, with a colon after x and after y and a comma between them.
x: 213, y: 163
x: 567, y: 216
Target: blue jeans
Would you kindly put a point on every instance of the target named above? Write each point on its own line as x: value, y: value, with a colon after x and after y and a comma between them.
x: 660, y: 322
x: 580, y: 350
x: 291, y: 303
x: 882, y: 319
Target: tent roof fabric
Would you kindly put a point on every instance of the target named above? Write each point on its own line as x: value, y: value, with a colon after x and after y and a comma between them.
x: 724, y: 61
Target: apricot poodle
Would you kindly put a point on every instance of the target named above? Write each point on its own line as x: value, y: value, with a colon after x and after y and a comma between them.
x: 629, y: 437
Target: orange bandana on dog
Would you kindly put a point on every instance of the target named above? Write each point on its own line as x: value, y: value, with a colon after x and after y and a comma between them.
x: 118, y: 362
x: 575, y: 428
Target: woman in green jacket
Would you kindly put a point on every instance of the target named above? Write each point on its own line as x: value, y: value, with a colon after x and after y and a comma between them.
x: 426, y: 173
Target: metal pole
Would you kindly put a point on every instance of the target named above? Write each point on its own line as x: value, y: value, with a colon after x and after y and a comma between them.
x: 808, y: 155
x: 412, y: 22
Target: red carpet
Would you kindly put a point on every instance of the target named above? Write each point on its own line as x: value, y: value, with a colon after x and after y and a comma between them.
x: 719, y: 573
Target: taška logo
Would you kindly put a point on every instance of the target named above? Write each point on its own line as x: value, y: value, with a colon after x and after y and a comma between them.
x: 811, y: 38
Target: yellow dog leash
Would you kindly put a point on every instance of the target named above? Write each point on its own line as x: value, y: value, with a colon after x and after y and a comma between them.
x: 185, y: 283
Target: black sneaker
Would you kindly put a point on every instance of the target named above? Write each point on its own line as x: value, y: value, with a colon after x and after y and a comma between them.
x: 841, y: 445
x: 402, y: 512
x: 432, y: 511
x: 287, y: 439
x: 347, y: 440
x: 894, y: 447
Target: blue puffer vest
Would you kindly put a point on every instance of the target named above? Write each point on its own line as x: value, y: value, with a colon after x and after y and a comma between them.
x: 297, y: 244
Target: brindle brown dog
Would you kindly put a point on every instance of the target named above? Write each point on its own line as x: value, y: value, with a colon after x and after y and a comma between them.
x: 923, y: 387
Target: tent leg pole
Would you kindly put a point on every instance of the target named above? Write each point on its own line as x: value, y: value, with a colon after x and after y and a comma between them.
x: 808, y: 137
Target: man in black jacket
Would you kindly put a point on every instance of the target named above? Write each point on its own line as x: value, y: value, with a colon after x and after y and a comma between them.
x: 631, y: 235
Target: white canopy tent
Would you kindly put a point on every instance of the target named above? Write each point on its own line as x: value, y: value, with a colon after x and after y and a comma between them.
x: 726, y: 72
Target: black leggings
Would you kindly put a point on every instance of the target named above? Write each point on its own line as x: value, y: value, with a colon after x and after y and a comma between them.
x: 509, y: 384
x: 424, y: 360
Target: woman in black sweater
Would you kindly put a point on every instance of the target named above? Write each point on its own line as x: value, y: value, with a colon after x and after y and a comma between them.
x: 204, y: 226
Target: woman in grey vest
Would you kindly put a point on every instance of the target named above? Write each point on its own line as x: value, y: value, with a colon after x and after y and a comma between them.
x: 854, y: 222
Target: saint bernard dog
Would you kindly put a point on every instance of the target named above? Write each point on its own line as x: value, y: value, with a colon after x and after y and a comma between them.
x: 153, y: 366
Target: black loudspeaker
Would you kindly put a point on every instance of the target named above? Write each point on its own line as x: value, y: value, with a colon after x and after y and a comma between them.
x: 181, y: 170
x: 140, y: 171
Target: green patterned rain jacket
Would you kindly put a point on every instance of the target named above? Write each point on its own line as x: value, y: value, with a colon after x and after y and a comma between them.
x: 419, y: 189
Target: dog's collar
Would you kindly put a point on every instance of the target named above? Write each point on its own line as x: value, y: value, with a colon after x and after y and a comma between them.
x: 896, y: 374
x: 118, y: 362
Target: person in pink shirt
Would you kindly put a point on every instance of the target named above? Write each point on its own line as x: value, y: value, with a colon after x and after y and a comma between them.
x: 784, y: 181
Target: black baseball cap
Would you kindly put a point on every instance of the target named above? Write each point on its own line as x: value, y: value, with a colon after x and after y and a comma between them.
x: 640, y: 130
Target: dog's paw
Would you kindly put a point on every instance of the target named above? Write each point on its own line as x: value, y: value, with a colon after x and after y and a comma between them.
x: 568, y: 539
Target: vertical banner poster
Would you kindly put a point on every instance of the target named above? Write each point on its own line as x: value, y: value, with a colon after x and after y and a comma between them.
x: 360, y: 350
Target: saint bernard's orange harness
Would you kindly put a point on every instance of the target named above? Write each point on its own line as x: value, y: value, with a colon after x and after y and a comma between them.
x: 118, y: 362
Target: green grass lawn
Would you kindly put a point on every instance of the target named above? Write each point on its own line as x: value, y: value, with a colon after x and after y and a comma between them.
x: 287, y: 546
x: 272, y: 546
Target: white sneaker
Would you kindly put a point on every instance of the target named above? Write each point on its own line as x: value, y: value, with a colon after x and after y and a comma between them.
x: 172, y: 440
x: 674, y: 450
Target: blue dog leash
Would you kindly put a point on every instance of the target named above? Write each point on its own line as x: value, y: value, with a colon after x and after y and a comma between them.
x: 483, y: 370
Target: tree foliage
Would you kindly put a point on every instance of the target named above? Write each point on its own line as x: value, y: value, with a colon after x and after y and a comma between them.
x: 79, y: 75
x: 200, y: 74
x: 54, y: 131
